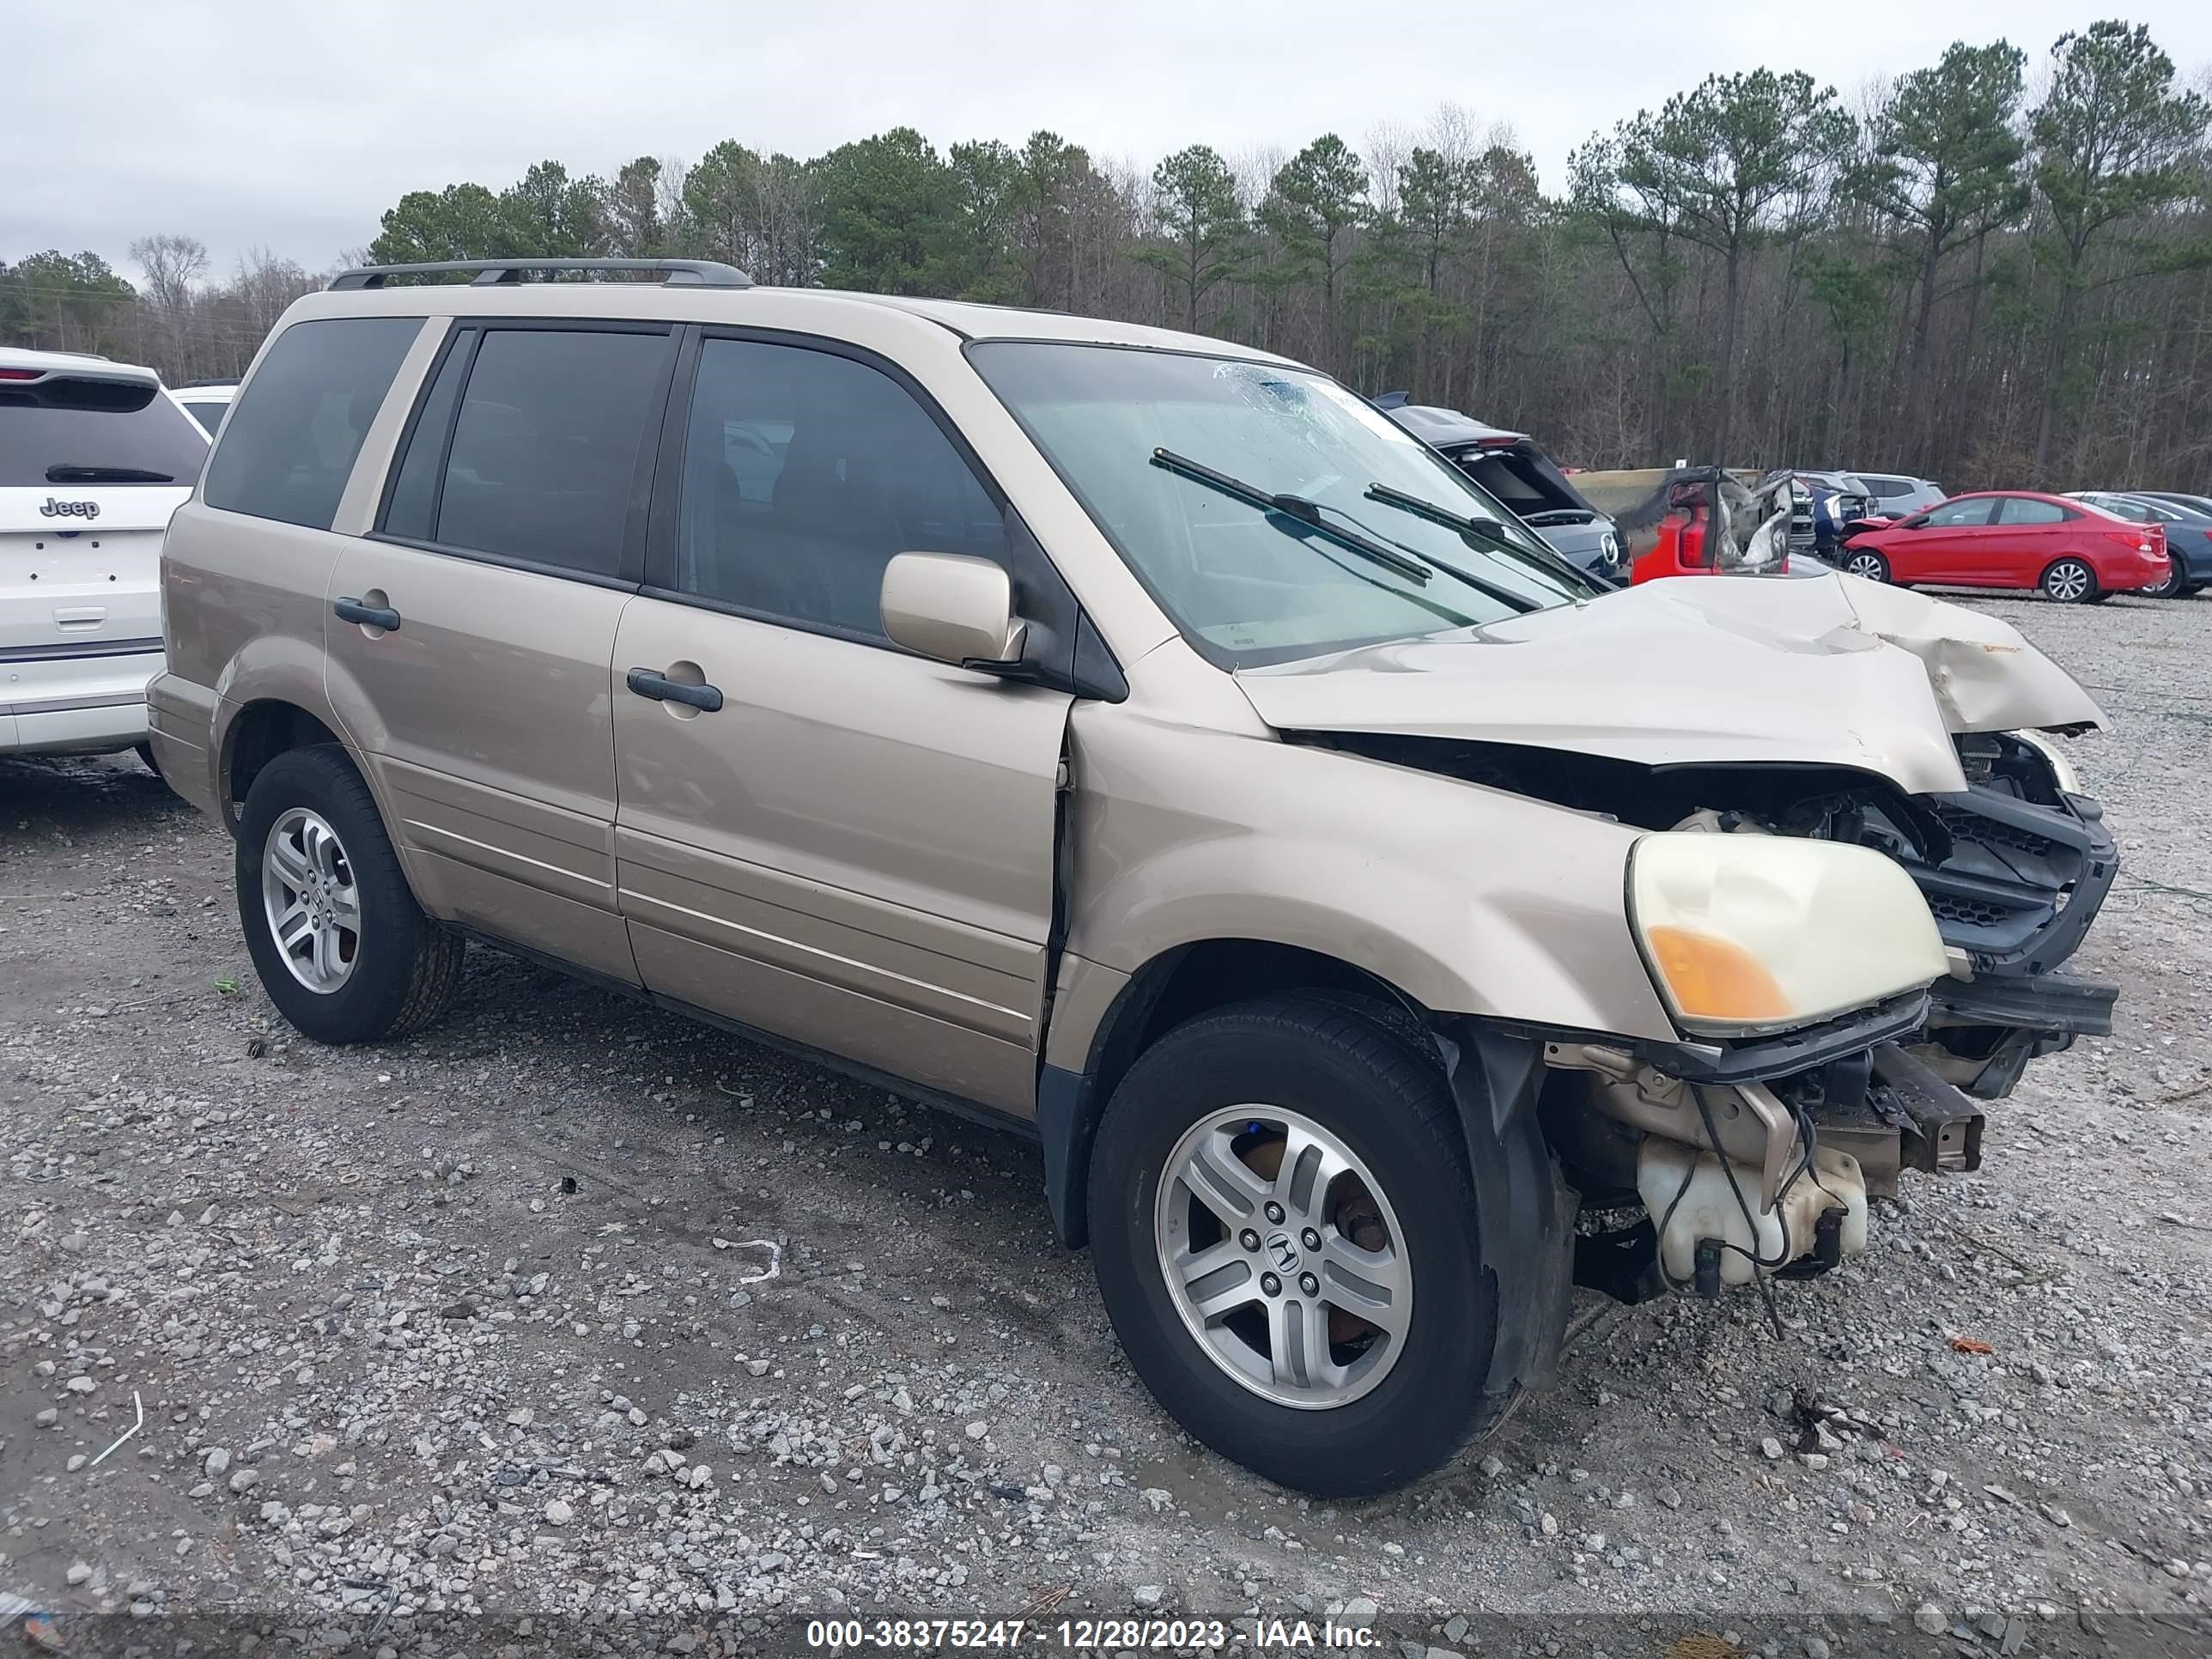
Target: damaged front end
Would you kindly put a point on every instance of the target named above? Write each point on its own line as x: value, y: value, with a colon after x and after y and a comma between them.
x: 2025, y: 862
x: 1824, y: 709
x: 1759, y: 1158
x: 1740, y: 1176
x: 2013, y: 867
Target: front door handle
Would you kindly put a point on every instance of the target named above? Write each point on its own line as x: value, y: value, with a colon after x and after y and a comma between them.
x: 368, y: 616
x: 705, y: 698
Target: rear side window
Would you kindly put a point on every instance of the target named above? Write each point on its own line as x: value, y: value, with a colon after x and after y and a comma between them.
x: 542, y: 465
x: 2019, y: 509
x: 805, y: 472
x: 1497, y: 474
x: 72, y: 432
x: 294, y: 431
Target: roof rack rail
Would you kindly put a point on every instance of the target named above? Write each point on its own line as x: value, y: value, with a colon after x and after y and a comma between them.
x: 700, y: 273
x: 220, y: 379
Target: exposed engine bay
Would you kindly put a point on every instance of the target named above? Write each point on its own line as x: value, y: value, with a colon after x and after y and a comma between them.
x: 1739, y: 1179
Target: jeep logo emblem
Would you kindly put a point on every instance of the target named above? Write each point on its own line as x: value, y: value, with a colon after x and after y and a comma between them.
x: 54, y: 509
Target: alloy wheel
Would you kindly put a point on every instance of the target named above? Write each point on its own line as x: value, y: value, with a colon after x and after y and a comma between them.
x: 1868, y: 565
x: 2068, y: 581
x: 309, y: 899
x: 1283, y: 1256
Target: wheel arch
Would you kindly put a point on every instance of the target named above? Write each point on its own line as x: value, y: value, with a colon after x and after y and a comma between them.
x: 1174, y: 985
x: 1493, y: 1075
x: 261, y: 730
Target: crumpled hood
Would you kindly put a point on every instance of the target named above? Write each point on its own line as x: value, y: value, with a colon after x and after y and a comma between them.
x: 1821, y: 671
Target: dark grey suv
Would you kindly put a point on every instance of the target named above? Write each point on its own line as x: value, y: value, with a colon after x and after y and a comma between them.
x: 1510, y: 467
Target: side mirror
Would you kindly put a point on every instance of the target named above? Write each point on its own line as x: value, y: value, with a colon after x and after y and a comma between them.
x: 951, y: 608
x: 1912, y: 523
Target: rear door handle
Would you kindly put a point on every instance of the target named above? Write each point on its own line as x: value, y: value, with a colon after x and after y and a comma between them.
x: 368, y: 616
x: 706, y: 698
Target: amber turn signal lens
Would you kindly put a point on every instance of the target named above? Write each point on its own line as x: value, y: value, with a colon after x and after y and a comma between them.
x: 1712, y: 979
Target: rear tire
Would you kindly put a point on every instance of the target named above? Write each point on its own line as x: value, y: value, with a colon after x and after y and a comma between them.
x: 1362, y: 1407
x: 1867, y: 563
x: 2071, y: 581
x: 145, y: 753
x: 311, y: 851
x: 2176, y: 585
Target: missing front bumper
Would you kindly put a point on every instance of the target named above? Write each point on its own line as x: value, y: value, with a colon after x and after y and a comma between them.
x: 1617, y: 1122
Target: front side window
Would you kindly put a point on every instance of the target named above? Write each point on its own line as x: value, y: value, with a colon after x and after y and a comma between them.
x: 1961, y: 515
x: 1250, y: 584
x: 804, y: 473
x: 297, y: 425
x: 2019, y: 509
x: 542, y: 464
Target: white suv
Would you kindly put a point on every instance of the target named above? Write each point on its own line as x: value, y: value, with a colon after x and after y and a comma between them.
x: 94, y: 456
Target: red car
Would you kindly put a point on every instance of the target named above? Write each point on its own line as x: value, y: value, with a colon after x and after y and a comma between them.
x: 2076, y: 553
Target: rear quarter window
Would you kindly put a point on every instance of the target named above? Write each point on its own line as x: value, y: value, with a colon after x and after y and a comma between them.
x: 296, y: 428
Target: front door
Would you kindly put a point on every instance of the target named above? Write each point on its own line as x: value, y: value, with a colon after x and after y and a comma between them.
x: 820, y: 835
x: 473, y: 633
x: 1943, y: 550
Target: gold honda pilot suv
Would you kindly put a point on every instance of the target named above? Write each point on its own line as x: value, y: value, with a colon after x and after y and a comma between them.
x: 1139, y: 739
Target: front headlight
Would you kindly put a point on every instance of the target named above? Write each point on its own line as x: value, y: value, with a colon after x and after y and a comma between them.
x: 1751, y: 934
x: 2062, y: 769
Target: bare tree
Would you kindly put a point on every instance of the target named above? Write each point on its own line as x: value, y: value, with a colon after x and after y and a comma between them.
x: 172, y: 265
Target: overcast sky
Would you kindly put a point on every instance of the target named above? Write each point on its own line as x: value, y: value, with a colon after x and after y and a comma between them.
x: 293, y: 124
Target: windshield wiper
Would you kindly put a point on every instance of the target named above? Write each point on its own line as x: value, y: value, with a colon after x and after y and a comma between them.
x: 1293, y: 507
x: 1486, y: 530
x: 68, y: 472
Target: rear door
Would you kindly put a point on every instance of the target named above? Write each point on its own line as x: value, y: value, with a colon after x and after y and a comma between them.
x: 471, y: 632
x: 853, y: 846
x: 92, y: 465
x: 2029, y: 535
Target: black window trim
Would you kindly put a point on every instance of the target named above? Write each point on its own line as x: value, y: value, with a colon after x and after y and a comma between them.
x: 468, y: 333
x: 1042, y: 595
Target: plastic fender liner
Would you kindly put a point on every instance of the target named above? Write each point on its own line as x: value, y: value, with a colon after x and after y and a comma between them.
x: 1066, y: 1122
x: 1528, y: 1208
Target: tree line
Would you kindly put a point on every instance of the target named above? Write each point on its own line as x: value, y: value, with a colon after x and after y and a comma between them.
x: 1989, y: 269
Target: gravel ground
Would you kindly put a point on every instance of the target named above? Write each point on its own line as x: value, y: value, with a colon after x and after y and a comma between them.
x: 569, y: 1322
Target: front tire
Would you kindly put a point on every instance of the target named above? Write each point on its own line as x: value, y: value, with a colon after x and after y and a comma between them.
x: 1289, y: 1247
x: 2071, y: 581
x: 1867, y: 563
x: 2176, y: 585
x: 340, y: 945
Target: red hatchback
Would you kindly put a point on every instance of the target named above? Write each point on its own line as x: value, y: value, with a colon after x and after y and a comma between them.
x: 2075, y: 552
